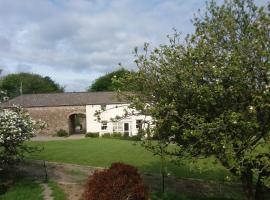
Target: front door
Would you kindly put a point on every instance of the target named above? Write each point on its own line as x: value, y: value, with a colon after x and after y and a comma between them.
x: 126, y: 129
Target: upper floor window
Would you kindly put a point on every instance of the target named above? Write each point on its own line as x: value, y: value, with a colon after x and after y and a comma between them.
x: 103, y: 107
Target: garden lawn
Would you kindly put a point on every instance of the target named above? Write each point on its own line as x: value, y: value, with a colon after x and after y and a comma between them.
x: 102, y: 152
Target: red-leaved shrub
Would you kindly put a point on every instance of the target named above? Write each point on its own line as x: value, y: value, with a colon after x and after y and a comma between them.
x: 119, y: 182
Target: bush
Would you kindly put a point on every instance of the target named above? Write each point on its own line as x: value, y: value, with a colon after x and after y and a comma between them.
x: 119, y: 182
x: 135, y: 138
x: 117, y: 135
x: 126, y: 135
x: 106, y: 135
x: 92, y: 134
x: 62, y: 133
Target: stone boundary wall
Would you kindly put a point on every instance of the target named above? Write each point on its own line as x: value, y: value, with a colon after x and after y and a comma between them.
x: 56, y: 117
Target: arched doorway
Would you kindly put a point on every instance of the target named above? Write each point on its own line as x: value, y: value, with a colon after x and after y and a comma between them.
x: 77, y: 123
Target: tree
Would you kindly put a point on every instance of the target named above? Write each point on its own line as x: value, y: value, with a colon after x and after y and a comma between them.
x: 106, y: 83
x: 27, y: 83
x: 16, y: 127
x: 211, y: 94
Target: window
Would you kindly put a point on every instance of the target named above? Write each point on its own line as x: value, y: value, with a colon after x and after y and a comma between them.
x: 118, y: 127
x: 139, y: 124
x: 104, y: 125
x: 103, y: 107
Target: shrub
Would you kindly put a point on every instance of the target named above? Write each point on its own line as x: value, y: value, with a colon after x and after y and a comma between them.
x: 135, y: 138
x: 92, y: 134
x: 117, y: 135
x: 126, y: 135
x: 62, y: 133
x: 106, y: 135
x: 119, y: 182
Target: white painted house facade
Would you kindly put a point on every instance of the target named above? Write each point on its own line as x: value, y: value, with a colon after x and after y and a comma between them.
x: 128, y: 125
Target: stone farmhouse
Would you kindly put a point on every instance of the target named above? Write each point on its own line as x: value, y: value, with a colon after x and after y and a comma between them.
x: 75, y: 112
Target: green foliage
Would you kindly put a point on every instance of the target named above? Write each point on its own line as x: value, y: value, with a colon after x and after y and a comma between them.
x: 133, y: 138
x: 16, y: 127
x: 62, y: 133
x: 92, y: 134
x: 117, y: 135
x: 30, y: 84
x: 106, y: 83
x: 121, y: 136
x: 210, y: 95
x: 126, y: 135
x: 106, y: 135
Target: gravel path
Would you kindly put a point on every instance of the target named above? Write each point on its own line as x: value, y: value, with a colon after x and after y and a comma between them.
x: 47, y: 192
x: 72, y: 178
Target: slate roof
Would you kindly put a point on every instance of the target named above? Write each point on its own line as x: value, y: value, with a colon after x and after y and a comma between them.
x: 64, y: 99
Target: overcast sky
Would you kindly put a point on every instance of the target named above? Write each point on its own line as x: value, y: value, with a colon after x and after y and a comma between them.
x: 76, y: 41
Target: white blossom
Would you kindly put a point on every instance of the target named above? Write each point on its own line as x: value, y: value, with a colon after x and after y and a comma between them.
x: 16, y: 126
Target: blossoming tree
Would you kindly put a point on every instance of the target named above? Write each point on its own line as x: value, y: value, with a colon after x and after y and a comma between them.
x: 16, y: 126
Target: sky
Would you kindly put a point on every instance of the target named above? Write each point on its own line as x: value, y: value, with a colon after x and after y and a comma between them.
x: 76, y: 41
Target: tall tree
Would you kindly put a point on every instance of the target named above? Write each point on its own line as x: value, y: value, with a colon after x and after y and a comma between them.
x: 16, y: 127
x: 27, y: 83
x: 107, y: 83
x: 211, y: 95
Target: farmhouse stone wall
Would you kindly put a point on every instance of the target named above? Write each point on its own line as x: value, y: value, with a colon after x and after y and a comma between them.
x: 56, y: 117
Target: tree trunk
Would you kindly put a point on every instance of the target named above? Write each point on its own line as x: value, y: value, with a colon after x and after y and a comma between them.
x: 260, y: 187
x: 259, y: 192
x: 246, y: 178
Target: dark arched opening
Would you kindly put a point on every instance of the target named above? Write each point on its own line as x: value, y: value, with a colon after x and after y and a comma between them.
x: 77, y: 124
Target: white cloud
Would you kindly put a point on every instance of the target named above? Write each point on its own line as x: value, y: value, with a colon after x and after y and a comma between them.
x: 75, y: 41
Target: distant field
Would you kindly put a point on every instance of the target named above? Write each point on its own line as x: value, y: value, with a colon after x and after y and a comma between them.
x: 102, y: 152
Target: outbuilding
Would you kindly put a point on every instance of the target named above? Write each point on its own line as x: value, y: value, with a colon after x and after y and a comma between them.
x: 74, y: 112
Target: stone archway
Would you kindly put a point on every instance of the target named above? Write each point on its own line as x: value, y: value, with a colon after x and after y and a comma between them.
x: 77, y: 123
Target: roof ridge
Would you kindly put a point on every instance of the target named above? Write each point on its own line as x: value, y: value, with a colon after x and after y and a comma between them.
x: 66, y: 93
x: 68, y: 98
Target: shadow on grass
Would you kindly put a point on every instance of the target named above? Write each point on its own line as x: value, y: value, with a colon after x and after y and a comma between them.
x: 23, y: 188
x: 191, y: 185
x: 170, y: 196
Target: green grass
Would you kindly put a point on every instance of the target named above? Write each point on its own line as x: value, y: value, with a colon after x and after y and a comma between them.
x: 57, y: 192
x: 102, y: 152
x: 24, y: 189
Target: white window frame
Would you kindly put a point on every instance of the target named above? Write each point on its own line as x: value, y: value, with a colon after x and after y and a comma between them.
x: 118, y: 127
